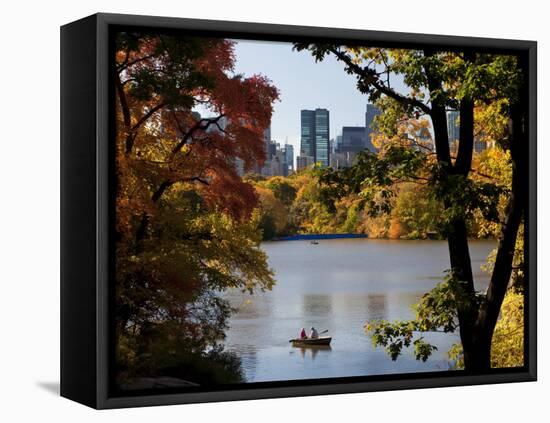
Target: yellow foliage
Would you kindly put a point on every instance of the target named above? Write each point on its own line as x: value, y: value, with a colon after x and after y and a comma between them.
x: 270, y: 204
x: 396, y: 229
x: 508, y: 338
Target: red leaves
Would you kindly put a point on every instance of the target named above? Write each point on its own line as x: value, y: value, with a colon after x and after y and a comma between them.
x: 173, y: 144
x: 231, y: 195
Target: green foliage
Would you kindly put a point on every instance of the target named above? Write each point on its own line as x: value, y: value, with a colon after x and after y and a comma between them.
x: 423, y: 350
x: 273, y: 213
x: 372, y: 177
x: 463, y: 197
x: 284, y: 191
x: 481, y: 85
x: 417, y: 212
x: 436, y: 312
x: 384, y: 200
x: 169, y: 312
x: 267, y: 226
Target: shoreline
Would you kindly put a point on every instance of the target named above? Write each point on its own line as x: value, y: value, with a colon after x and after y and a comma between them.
x: 311, y: 237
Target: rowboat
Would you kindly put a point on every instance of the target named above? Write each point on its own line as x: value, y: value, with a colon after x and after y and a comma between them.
x: 322, y: 340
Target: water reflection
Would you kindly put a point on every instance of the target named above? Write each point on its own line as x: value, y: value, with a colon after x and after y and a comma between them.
x: 312, y: 351
x: 316, y: 305
x: 377, y: 306
x: 338, y: 285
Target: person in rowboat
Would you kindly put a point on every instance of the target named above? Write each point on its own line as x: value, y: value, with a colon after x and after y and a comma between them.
x: 303, y: 334
x: 314, y: 334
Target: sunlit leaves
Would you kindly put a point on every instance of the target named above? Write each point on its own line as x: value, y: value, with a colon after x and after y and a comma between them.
x: 372, y: 177
x: 507, y: 346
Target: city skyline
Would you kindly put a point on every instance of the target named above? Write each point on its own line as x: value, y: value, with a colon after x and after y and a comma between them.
x: 328, y: 86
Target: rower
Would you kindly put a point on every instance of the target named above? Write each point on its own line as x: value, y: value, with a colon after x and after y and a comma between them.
x: 314, y: 334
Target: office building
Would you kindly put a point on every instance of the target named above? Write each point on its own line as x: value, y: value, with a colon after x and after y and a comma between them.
x: 322, y: 148
x: 315, y: 130
x: 353, y: 138
x: 453, y: 126
x: 289, y: 158
x: 453, y: 129
x: 278, y: 161
x: 303, y: 162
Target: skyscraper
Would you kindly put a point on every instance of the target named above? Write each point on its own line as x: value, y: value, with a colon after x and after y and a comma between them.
x: 307, y: 142
x: 303, y: 162
x: 453, y: 130
x: 352, y: 141
x: 322, y: 147
x: 453, y: 127
x: 289, y: 157
x: 315, y: 130
x: 353, y: 138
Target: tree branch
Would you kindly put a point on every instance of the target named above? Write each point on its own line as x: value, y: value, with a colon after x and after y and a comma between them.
x: 438, y: 115
x: 123, y: 103
x: 374, y: 80
x: 517, y: 205
x: 132, y: 135
x: 201, y: 124
x: 463, y: 161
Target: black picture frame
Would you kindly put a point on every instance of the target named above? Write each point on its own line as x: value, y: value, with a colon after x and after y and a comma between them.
x: 86, y: 221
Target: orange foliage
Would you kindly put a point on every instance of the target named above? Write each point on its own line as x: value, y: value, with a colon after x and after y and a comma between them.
x: 395, y: 229
x: 162, y: 141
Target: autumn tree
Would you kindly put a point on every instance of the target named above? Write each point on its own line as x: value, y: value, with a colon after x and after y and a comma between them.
x: 185, y: 221
x: 438, y: 81
x: 274, y: 215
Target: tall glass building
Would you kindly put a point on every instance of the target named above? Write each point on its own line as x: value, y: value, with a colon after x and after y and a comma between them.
x: 307, y: 142
x: 315, y: 132
x: 289, y: 157
x: 322, y: 146
x: 453, y: 127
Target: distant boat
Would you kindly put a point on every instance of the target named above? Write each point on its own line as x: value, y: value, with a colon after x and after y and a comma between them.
x: 314, y: 242
x: 432, y: 234
x: 322, y: 340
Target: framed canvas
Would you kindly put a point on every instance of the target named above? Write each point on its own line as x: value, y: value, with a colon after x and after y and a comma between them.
x: 259, y: 211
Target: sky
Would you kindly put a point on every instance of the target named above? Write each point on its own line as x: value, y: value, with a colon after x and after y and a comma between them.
x: 303, y: 84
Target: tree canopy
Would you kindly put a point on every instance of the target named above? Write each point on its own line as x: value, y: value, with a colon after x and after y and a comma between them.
x: 488, y: 93
x: 185, y: 220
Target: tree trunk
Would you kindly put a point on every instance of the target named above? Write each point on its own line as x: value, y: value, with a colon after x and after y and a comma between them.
x: 516, y: 208
x: 477, y: 353
x: 144, y: 223
x: 476, y: 349
x: 477, y: 346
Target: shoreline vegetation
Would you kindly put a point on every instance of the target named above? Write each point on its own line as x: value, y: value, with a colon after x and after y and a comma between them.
x: 312, y: 237
x: 297, y: 206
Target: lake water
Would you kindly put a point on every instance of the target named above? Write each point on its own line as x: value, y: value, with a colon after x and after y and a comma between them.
x: 338, y: 285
